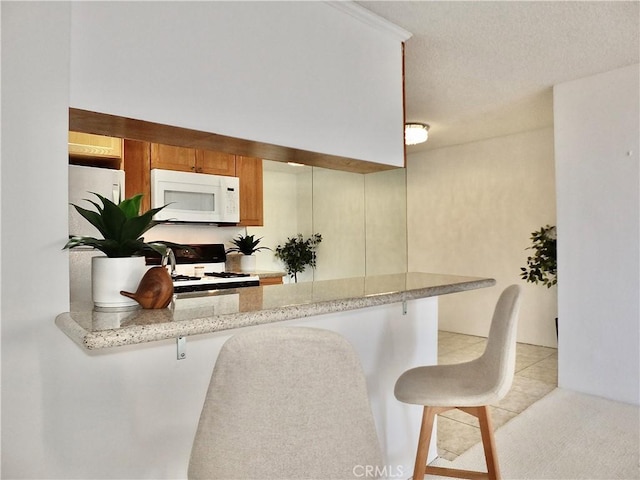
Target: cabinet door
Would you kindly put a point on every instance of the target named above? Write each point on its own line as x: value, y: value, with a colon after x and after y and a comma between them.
x: 249, y: 170
x: 215, y: 163
x: 136, y: 159
x: 169, y: 157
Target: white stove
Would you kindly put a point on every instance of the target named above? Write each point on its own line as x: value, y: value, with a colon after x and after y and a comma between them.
x: 202, y: 277
x: 201, y: 268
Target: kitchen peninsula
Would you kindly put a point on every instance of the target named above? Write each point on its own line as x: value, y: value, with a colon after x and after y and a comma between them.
x: 391, y: 321
x: 235, y: 308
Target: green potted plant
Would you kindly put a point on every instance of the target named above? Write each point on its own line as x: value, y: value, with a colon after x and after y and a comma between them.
x: 297, y: 253
x: 541, y: 266
x: 247, y: 245
x: 123, y: 265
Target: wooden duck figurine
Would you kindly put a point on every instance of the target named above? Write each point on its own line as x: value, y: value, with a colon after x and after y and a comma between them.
x: 155, y: 290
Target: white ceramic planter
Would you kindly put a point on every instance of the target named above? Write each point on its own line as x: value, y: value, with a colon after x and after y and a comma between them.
x: 107, y: 318
x: 110, y: 275
x: 248, y: 263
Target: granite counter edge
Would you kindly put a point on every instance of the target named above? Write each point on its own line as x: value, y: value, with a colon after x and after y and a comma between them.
x: 139, y: 334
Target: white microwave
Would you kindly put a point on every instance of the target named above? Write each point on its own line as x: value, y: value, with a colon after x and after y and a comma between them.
x: 195, y: 197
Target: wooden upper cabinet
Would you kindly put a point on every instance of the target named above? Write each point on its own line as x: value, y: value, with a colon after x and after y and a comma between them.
x: 140, y: 157
x: 215, y: 163
x: 168, y: 157
x: 249, y: 170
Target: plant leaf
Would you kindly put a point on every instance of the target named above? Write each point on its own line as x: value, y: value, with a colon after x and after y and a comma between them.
x: 120, y: 225
x: 113, y: 219
x: 92, y: 217
x: 131, y: 206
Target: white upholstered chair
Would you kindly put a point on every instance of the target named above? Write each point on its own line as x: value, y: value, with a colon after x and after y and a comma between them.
x: 286, y: 402
x: 470, y: 386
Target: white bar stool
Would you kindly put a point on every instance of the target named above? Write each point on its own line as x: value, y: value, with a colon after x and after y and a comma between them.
x: 286, y: 403
x: 470, y: 387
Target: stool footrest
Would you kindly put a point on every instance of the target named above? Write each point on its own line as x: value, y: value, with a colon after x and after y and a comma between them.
x: 453, y: 472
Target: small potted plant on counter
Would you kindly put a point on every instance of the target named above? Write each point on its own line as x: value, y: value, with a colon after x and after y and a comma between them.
x: 297, y: 253
x: 123, y: 265
x: 247, y: 245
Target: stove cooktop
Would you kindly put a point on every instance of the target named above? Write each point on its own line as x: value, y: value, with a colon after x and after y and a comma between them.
x: 213, y: 281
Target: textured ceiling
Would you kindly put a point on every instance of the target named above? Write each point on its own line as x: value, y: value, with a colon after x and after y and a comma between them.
x: 479, y: 69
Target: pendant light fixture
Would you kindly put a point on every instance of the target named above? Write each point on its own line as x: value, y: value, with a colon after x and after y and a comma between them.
x: 415, y: 133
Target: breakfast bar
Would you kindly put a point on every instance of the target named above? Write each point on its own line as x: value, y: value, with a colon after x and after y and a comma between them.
x: 200, y: 313
x: 391, y: 321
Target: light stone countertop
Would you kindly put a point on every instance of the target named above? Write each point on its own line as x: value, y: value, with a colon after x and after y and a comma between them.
x: 267, y: 274
x: 233, y: 265
x: 194, y: 314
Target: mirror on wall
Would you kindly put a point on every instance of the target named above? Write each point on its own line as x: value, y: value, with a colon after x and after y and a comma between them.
x: 361, y: 217
x: 287, y: 207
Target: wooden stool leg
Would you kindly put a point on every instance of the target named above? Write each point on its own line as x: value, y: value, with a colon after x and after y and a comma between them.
x: 488, y: 442
x: 424, y: 440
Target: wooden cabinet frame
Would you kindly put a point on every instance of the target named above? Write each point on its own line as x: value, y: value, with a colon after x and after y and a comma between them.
x: 140, y: 157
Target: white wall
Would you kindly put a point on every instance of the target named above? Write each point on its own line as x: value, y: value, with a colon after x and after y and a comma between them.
x: 194, y: 233
x: 597, y: 147
x: 66, y: 414
x: 471, y: 210
x: 35, y: 281
x: 246, y: 70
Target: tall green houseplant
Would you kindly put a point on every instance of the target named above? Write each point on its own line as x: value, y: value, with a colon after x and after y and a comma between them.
x: 297, y: 253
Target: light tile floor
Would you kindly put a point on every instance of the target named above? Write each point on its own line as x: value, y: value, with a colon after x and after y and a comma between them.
x: 536, y: 375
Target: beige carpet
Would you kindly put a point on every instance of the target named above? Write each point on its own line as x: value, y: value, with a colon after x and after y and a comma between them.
x: 565, y: 435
